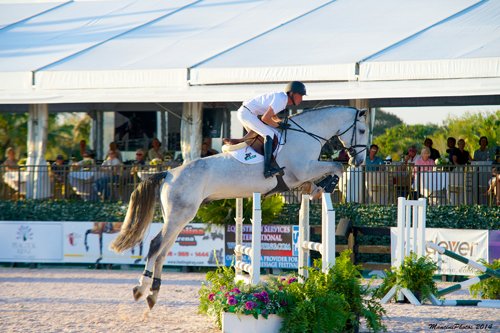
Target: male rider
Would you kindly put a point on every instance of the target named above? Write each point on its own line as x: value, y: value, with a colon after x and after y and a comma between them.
x: 268, y: 106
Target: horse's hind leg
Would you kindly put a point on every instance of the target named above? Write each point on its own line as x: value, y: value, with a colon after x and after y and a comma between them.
x: 155, y: 288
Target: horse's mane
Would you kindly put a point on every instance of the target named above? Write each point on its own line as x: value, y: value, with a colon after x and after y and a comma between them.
x: 306, y: 111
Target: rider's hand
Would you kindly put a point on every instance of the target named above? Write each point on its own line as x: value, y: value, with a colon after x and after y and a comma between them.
x: 283, y: 126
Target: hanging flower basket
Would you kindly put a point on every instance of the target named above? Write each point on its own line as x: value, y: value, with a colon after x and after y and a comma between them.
x: 240, y: 323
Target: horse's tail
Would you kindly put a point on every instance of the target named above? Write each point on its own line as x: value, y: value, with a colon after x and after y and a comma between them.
x: 139, y: 214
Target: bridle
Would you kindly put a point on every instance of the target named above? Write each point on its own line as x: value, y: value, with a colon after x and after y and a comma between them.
x: 353, y: 144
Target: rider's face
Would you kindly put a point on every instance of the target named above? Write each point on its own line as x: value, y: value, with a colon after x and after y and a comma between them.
x: 297, y: 98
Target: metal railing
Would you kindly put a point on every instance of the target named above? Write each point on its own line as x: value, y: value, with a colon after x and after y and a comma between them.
x: 441, y: 185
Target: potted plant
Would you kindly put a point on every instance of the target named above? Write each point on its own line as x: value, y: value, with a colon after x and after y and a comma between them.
x: 325, y: 302
x: 415, y: 273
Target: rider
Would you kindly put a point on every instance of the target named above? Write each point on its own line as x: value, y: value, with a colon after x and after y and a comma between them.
x: 267, y: 106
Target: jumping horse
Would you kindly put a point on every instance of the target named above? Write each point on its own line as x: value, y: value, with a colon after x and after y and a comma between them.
x: 182, y: 190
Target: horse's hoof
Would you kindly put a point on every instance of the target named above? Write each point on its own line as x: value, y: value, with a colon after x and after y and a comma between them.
x: 137, y: 294
x: 151, y: 301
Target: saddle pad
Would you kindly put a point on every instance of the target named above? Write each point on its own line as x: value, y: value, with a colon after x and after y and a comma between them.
x: 245, y: 155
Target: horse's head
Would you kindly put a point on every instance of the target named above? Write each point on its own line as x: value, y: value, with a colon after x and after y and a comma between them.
x: 354, y: 137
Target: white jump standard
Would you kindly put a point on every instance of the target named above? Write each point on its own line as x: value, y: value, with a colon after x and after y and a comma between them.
x: 253, y: 269
x: 327, y: 247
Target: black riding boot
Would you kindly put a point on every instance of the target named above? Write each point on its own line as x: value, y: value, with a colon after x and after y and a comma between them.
x: 270, y: 169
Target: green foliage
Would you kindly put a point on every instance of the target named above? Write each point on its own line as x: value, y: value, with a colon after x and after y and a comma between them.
x: 416, y: 274
x: 489, y: 288
x: 224, y: 211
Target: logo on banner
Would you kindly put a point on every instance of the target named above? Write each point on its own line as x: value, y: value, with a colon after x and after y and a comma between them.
x: 24, y: 233
x: 295, y: 240
x: 74, y: 238
x: 24, y: 245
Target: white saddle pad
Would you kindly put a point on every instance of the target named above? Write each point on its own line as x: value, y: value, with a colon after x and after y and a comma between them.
x: 245, y: 154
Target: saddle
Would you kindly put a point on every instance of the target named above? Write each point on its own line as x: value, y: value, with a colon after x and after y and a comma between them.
x: 253, y: 140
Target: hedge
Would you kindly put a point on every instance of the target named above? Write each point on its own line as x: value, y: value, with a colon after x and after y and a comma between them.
x: 459, y: 217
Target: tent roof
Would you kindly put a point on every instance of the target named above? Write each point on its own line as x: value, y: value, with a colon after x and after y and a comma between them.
x: 218, y: 50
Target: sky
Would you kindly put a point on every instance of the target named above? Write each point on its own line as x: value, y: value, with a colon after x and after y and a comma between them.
x: 436, y: 115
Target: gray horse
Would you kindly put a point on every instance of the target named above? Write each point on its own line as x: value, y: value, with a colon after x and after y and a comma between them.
x: 184, y: 189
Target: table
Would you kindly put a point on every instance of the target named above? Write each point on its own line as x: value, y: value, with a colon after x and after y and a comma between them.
x: 432, y: 184
x: 16, y: 180
x: 82, y: 182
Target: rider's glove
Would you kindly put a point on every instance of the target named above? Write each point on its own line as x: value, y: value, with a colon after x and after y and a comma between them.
x: 283, y: 126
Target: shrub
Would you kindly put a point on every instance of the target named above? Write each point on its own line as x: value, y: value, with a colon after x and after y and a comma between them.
x: 489, y: 288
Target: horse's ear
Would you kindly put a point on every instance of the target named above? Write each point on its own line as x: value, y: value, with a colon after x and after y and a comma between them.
x: 362, y: 113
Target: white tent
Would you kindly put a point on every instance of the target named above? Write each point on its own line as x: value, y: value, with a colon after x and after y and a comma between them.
x: 215, y: 50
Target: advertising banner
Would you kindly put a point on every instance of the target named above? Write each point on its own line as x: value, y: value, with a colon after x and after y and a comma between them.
x: 88, y: 242
x: 472, y: 244
x: 277, y: 241
x: 31, y: 241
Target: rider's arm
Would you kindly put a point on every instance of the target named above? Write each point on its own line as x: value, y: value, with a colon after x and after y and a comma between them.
x: 270, y: 118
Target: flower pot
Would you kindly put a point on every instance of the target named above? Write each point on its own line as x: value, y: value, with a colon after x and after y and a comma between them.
x: 239, y: 323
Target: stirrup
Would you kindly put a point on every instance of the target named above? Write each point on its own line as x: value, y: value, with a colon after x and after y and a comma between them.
x: 274, y: 172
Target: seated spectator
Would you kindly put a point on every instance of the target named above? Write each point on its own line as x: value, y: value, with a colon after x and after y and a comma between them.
x: 156, y: 151
x: 461, y: 156
x: 424, y: 162
x: 412, y: 156
x: 11, y: 161
x: 59, y: 169
x: 139, y: 162
x: 452, y: 149
x: 88, y: 161
x: 372, y: 160
x: 110, y: 172
x: 207, y: 151
x: 114, y: 148
x: 434, y: 152
x: 483, y: 153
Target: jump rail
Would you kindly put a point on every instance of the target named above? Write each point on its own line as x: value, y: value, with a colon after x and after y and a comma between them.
x: 327, y: 247
x: 253, y: 269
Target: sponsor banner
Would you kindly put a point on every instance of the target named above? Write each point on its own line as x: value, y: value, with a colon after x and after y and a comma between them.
x: 472, y: 244
x: 278, y: 245
x: 31, y: 241
x: 88, y: 242
x: 494, y: 245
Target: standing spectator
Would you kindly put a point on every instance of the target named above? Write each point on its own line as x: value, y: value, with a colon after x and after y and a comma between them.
x: 114, y: 148
x: 59, y: 169
x: 156, y: 151
x: 110, y: 172
x: 461, y: 156
x: 483, y: 153
x: 434, y: 152
x: 452, y: 149
x: 412, y: 156
x: 11, y: 161
x: 372, y: 160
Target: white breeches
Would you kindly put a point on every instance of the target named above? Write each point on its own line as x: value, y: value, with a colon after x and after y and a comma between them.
x: 251, y: 122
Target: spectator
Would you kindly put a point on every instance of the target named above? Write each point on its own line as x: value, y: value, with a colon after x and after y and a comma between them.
x: 110, y: 172
x: 483, y: 153
x: 114, y: 148
x: 206, y: 151
x: 156, y: 151
x: 139, y: 162
x: 59, y: 169
x: 434, y: 152
x: 372, y: 160
x: 11, y: 161
x: 461, y: 156
x: 452, y: 149
x: 412, y: 156
x: 88, y: 161
x: 494, y: 186
x: 424, y: 162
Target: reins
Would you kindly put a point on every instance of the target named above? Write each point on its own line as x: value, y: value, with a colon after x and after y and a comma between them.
x: 353, y: 143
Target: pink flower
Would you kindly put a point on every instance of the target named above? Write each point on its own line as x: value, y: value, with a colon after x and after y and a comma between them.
x: 232, y: 301
x: 250, y: 305
x: 292, y: 280
x: 236, y: 290
x: 211, y: 297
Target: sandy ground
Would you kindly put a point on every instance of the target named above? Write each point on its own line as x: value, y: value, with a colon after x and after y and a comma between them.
x: 84, y: 300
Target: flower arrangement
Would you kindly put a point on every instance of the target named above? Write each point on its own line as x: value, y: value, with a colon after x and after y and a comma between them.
x: 442, y: 161
x: 324, y: 302
x: 155, y: 162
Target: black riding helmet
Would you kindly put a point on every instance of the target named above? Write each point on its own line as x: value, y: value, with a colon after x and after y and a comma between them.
x: 296, y: 87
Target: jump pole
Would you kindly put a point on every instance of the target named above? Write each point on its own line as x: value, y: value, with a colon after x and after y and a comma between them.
x: 489, y: 273
x: 253, y: 269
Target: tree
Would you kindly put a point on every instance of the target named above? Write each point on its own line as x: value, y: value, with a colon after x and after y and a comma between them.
x: 383, y: 121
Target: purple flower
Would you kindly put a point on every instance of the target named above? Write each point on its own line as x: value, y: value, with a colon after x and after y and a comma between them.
x: 263, y: 296
x: 211, y: 297
x: 232, y: 301
x: 292, y: 280
x: 250, y: 305
x: 236, y: 290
